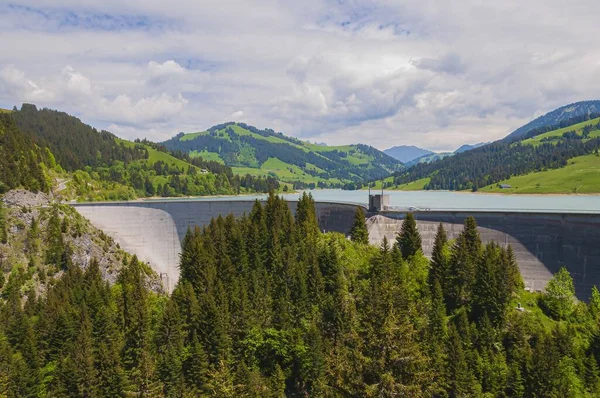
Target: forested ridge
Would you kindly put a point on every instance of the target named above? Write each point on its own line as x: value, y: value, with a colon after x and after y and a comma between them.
x: 241, y: 145
x: 267, y: 305
x: 100, y: 166
x: 500, y: 160
x: 22, y: 162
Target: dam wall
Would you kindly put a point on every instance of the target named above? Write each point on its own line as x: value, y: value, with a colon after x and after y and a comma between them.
x: 543, y: 242
x: 153, y: 230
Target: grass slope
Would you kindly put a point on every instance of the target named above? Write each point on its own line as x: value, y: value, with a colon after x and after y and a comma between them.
x: 242, y: 148
x: 156, y: 156
x: 581, y: 175
x: 417, y: 185
x: 556, y: 135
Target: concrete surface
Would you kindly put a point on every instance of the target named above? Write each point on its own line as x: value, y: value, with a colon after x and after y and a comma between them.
x: 542, y: 243
x: 153, y: 230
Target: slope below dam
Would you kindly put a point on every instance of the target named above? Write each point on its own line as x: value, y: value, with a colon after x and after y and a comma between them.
x: 543, y: 242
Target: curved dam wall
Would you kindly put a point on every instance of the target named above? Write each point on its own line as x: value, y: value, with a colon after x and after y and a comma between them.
x: 542, y: 242
x: 153, y: 230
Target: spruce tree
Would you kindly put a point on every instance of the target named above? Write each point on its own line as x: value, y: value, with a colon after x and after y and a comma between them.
x: 55, y: 251
x: 359, y: 232
x: 439, y: 259
x: 195, y: 368
x: 459, y: 376
x: 169, y: 341
x: 409, y: 239
x: 3, y: 227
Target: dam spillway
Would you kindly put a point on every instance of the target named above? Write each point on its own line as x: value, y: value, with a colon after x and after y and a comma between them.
x: 543, y: 242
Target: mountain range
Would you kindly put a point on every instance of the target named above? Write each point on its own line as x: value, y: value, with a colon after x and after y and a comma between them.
x: 411, y: 155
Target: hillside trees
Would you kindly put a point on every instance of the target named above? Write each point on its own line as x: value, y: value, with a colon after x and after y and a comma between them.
x: 267, y: 305
x: 359, y: 232
x: 20, y: 159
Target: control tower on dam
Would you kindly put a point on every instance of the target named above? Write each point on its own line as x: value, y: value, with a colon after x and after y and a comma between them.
x: 543, y: 242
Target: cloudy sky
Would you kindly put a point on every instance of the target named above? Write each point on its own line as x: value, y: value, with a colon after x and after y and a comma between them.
x: 431, y: 73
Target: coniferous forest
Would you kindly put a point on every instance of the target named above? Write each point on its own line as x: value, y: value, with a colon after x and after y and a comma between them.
x: 268, y: 306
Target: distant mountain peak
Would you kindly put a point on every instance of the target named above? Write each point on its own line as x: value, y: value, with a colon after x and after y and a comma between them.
x: 407, y: 153
x: 468, y: 147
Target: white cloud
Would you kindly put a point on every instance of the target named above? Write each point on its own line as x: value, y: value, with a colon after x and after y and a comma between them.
x: 376, y: 71
x: 158, y: 108
x: 22, y: 88
x: 76, y: 83
x: 159, y: 73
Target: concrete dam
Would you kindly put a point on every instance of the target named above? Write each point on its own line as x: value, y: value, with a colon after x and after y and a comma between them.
x: 543, y: 242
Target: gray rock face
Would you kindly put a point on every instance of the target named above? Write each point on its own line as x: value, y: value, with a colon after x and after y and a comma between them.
x: 23, y: 198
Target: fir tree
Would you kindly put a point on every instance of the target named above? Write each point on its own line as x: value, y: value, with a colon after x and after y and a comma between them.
x: 170, y: 351
x: 359, y: 232
x: 439, y: 259
x: 409, y: 239
x: 3, y: 227
x: 55, y: 252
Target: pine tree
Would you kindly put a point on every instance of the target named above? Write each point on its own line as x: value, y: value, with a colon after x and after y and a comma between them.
x: 3, y: 227
x: 82, y: 355
x: 169, y: 341
x: 359, y: 232
x: 195, y: 368
x: 513, y: 275
x: 409, y: 239
x: 459, y: 376
x: 472, y: 238
x: 438, y: 270
x: 56, y: 249
x: 490, y: 294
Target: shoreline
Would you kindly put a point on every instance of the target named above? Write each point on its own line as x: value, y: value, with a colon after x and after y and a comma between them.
x: 486, y: 193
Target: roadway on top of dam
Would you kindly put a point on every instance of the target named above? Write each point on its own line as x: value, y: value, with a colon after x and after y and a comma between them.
x: 432, y: 201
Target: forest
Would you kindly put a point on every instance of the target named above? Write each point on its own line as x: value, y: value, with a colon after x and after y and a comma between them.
x: 22, y: 163
x: 103, y: 167
x: 268, y: 306
x: 496, y: 162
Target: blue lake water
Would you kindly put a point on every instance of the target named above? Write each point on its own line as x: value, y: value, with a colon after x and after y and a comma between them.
x: 446, y: 200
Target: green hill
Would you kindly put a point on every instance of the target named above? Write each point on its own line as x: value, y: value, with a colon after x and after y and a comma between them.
x: 96, y: 165
x: 538, y: 161
x: 560, y: 117
x: 267, y: 153
x: 581, y: 175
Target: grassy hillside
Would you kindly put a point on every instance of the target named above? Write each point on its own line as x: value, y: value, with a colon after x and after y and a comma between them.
x: 388, y: 183
x: 96, y: 165
x: 556, y: 136
x: 543, y: 160
x: 581, y: 175
x: 266, y: 153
